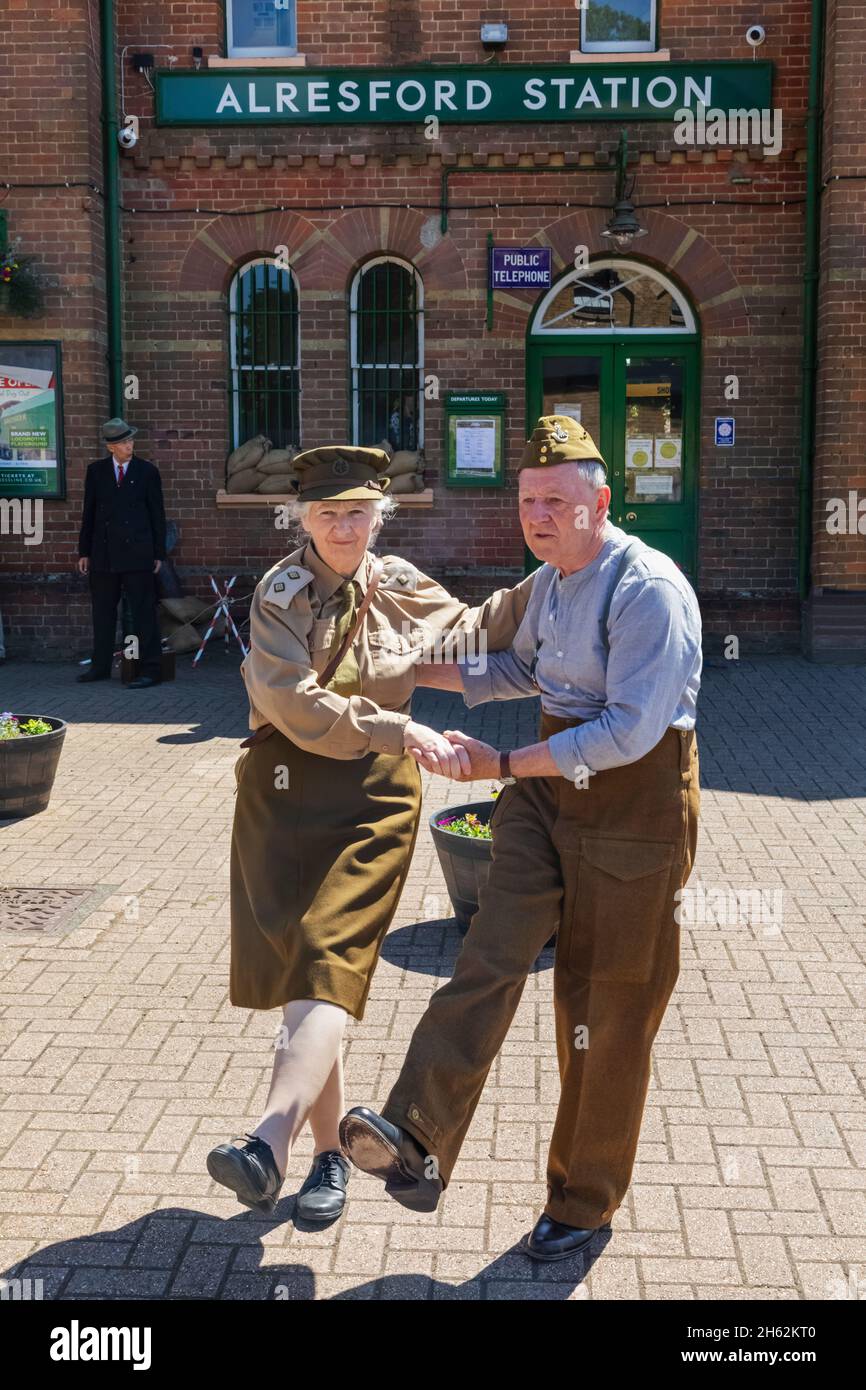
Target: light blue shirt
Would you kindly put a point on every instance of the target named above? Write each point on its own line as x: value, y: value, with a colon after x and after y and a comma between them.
x: 647, y: 683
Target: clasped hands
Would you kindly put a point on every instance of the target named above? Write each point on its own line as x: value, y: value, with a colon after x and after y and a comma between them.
x: 452, y: 754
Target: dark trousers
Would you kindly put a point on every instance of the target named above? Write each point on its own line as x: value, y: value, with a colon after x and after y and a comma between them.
x: 604, y: 864
x: 140, y: 590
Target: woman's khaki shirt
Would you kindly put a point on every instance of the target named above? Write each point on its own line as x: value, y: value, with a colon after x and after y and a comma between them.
x: 411, y: 619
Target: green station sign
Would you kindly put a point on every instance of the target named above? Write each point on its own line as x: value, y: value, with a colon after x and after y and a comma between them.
x: 462, y: 95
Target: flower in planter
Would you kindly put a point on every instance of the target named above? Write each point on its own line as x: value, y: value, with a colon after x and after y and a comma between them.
x: 469, y: 825
x: 11, y: 727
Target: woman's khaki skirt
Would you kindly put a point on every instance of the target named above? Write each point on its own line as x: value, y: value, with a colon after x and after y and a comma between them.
x: 320, y: 851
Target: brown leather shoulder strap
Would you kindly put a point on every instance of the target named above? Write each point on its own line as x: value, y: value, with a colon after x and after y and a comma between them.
x: 265, y: 730
x: 361, y: 614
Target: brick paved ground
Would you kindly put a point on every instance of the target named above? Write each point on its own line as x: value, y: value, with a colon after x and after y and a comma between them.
x: 123, y: 1061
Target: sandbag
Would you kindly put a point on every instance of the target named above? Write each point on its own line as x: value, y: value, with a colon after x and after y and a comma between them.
x: 407, y: 482
x: 278, y: 460
x: 187, y: 608
x: 184, y: 639
x: 386, y: 445
x: 398, y: 470
x: 277, y: 482
x: 168, y: 624
x: 247, y: 455
x: 246, y: 481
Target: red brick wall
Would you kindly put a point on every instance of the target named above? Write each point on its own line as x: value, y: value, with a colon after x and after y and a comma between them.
x: 742, y: 271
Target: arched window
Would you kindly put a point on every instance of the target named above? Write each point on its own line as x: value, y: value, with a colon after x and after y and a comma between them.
x: 264, y: 352
x: 386, y: 313
x: 614, y: 296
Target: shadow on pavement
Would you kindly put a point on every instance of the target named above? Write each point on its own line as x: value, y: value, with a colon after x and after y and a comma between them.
x: 179, y: 1253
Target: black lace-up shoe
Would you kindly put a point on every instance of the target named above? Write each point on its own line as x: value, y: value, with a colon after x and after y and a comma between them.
x: 393, y: 1154
x: 250, y: 1171
x: 551, y: 1240
x: 323, y: 1194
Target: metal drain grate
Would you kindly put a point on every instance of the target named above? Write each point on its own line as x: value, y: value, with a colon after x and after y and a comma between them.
x: 39, y: 909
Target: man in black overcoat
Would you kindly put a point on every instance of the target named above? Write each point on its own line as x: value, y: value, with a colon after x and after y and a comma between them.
x: 121, y: 547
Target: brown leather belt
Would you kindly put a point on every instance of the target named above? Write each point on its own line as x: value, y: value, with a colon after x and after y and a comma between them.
x: 262, y: 732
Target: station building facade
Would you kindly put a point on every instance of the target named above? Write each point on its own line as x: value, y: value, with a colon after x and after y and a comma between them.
x: 299, y: 244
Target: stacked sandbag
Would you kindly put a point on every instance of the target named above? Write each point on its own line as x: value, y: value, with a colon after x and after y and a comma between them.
x: 242, y: 464
x: 257, y: 467
x: 406, y: 471
x: 277, y: 472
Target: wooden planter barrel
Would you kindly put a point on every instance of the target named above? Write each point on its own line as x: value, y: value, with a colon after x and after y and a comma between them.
x: 27, y: 768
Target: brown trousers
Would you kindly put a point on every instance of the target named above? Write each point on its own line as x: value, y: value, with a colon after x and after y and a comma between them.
x: 602, y: 864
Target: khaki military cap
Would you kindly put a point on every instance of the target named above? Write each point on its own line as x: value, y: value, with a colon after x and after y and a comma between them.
x: 558, y: 439
x: 346, y: 471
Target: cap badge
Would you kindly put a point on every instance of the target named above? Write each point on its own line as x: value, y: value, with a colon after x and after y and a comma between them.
x: 340, y: 467
x: 561, y: 433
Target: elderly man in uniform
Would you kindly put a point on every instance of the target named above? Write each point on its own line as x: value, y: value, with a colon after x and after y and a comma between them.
x: 594, y: 833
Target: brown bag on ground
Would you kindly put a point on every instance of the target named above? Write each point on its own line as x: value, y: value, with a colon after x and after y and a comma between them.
x: 186, y: 608
x: 184, y: 639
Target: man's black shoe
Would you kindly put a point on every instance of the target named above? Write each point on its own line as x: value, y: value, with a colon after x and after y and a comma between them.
x: 323, y: 1195
x: 94, y: 676
x: 551, y: 1240
x: 142, y: 682
x: 251, y: 1172
x: 376, y: 1146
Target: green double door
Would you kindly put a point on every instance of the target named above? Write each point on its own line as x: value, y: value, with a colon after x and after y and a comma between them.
x: 639, y: 401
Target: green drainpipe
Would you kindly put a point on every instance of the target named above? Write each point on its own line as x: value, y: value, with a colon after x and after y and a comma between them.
x: 810, y: 288
x: 111, y: 181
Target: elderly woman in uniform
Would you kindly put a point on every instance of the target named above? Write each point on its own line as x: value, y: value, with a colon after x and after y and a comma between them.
x: 328, y: 800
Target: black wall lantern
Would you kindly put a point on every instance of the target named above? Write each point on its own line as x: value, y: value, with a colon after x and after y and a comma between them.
x: 623, y: 228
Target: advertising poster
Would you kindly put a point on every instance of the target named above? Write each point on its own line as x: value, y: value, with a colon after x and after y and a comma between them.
x: 31, y: 446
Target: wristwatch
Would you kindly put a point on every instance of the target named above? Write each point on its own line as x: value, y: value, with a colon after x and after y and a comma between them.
x: 505, y: 773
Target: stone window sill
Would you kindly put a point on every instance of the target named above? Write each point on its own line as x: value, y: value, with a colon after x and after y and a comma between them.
x: 295, y: 60
x: 274, y: 499
x: 662, y: 56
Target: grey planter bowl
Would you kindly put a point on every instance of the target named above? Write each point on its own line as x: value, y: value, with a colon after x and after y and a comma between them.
x: 465, y: 860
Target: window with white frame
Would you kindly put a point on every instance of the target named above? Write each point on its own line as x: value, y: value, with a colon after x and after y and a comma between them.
x: 261, y: 28
x: 621, y: 26
x: 386, y: 312
x: 264, y: 354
